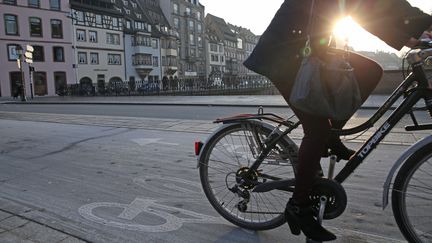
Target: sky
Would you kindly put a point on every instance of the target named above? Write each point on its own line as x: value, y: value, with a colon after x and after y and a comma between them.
x: 257, y: 14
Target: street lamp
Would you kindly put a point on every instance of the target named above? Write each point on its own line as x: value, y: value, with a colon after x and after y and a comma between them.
x: 20, y: 52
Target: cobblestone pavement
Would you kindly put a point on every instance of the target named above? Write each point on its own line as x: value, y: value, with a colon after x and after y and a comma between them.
x: 15, y: 228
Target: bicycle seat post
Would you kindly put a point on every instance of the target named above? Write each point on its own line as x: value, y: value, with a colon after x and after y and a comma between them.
x: 333, y: 159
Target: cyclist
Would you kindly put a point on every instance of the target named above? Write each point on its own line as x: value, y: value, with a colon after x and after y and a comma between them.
x: 278, y: 56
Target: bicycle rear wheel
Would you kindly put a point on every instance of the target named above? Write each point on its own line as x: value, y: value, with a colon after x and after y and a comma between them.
x: 412, y: 196
x: 229, y: 153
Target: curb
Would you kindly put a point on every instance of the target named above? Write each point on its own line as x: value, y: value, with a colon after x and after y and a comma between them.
x: 161, y: 104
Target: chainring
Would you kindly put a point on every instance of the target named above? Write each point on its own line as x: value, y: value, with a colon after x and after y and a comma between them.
x: 335, y: 194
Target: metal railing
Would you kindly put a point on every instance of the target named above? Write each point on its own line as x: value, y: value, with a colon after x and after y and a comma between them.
x: 238, y: 85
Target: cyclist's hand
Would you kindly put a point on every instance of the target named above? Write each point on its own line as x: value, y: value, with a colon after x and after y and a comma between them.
x: 412, y: 42
x: 426, y: 37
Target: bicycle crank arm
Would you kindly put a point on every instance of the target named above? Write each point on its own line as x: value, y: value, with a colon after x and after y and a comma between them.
x: 284, y: 185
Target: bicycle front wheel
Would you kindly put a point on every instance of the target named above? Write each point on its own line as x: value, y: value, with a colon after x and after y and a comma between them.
x: 227, y: 155
x: 412, y: 196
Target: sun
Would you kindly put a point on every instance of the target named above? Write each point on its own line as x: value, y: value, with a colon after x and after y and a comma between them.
x: 347, y: 30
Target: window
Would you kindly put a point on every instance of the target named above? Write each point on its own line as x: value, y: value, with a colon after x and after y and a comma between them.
x: 114, y: 59
x: 113, y: 39
x: 193, y: 52
x: 191, y: 39
x: 80, y: 16
x: 175, y: 8
x: 60, y: 83
x: 141, y: 40
x: 115, y: 22
x: 33, y: 3
x: 199, y: 28
x: 15, y: 81
x: 40, y: 83
x: 176, y: 23
x: 155, y: 44
x: 11, y: 24
x: 35, y: 27
x: 12, y: 2
x: 213, y: 47
x: 142, y: 59
x: 58, y: 54
x: 94, y: 58
x: 81, y: 35
x: 55, y: 4
x: 198, y: 15
x: 12, y: 53
x: 56, y: 28
x: 98, y: 19
x: 155, y: 62
x: 38, y: 54
x: 200, y: 43
x: 93, y: 36
x: 188, y: 11
x: 82, y: 57
x: 191, y: 25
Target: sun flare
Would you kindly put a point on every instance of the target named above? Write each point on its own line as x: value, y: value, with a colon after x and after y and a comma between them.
x: 347, y: 30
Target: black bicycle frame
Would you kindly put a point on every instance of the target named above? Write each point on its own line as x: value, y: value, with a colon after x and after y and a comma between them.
x: 412, y: 97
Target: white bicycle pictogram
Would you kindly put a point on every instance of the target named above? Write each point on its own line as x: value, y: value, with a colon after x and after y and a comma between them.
x: 154, y: 208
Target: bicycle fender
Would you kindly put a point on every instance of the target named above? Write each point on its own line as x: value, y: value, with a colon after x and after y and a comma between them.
x: 404, y: 157
x: 266, y: 125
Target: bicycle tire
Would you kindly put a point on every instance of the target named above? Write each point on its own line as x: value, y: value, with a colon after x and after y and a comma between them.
x: 411, y: 202
x: 231, y: 143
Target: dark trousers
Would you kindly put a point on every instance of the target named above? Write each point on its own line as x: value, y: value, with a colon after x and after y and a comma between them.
x: 317, y: 129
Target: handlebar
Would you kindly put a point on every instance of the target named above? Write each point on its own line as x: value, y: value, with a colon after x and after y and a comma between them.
x: 421, y: 52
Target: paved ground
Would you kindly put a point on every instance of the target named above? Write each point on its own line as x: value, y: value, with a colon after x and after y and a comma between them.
x: 373, y: 102
x: 15, y: 227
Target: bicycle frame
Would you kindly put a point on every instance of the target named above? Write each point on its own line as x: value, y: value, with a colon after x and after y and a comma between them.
x: 413, y: 96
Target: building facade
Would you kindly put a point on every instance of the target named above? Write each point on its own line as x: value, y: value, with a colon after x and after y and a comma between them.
x: 215, y: 58
x: 222, y: 30
x: 142, y: 49
x: 169, y: 40
x: 45, y: 26
x: 97, y: 44
x: 246, y: 42
x: 97, y: 28
x: 187, y: 18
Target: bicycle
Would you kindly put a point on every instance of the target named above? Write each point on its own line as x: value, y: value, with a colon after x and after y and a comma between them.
x: 247, y: 167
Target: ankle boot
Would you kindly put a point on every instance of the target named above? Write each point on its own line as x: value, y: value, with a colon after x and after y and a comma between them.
x: 337, y: 148
x: 301, y: 219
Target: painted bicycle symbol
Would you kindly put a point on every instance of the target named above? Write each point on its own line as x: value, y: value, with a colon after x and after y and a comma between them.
x: 149, y: 214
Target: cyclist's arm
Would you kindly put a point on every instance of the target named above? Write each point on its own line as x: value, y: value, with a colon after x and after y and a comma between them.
x: 393, y: 21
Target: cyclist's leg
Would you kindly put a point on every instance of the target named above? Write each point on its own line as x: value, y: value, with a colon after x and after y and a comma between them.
x: 316, y: 132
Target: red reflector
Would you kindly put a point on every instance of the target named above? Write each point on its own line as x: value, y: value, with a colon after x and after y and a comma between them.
x: 198, y: 146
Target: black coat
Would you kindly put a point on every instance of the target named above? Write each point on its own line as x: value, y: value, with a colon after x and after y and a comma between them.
x: 278, y: 53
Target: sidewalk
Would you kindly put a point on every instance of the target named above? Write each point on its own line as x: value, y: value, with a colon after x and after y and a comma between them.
x: 374, y: 101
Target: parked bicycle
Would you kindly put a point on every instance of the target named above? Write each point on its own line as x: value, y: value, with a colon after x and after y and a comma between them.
x: 248, y: 166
